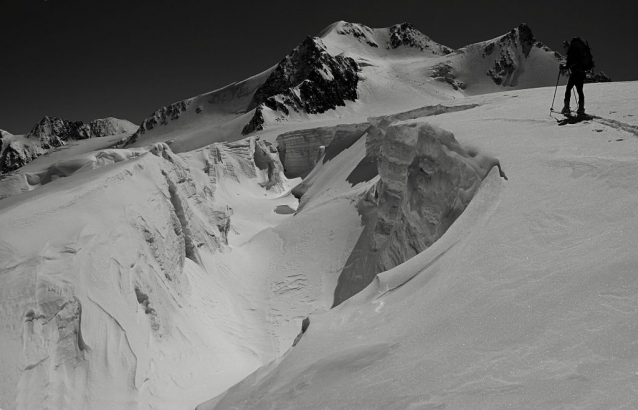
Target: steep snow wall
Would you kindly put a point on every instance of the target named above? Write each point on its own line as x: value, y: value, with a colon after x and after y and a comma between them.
x: 426, y: 181
x: 300, y: 150
x: 250, y: 158
x: 122, y: 308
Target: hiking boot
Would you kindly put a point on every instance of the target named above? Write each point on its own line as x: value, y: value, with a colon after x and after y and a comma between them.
x: 581, y: 111
x: 566, y: 110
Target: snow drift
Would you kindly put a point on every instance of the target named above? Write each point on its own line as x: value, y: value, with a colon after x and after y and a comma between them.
x: 527, y: 301
x: 426, y: 181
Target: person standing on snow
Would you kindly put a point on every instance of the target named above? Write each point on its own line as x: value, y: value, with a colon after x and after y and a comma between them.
x: 579, y: 61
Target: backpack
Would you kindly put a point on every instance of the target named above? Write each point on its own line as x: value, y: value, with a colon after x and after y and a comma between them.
x: 582, y: 53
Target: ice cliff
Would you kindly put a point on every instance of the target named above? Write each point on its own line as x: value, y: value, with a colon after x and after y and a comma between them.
x: 300, y: 151
x: 426, y: 180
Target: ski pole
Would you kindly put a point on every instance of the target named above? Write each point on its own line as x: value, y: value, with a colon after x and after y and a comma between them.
x: 556, y: 89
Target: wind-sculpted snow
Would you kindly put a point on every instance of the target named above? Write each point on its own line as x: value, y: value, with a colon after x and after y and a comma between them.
x: 18, y: 182
x: 248, y: 158
x: 528, y: 300
x: 309, y: 80
x: 92, y: 304
x: 427, y: 179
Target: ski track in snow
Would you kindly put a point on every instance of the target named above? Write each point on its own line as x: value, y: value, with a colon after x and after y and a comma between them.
x: 621, y: 126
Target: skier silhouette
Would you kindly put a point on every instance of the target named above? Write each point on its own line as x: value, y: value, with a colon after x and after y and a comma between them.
x: 579, y: 61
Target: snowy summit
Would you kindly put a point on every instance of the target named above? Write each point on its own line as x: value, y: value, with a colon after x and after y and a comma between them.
x: 378, y: 221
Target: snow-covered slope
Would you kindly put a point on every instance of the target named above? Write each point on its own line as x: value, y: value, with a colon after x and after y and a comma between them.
x: 159, y: 275
x: 528, y: 300
x: 351, y: 70
x: 515, y: 60
x: 118, y: 299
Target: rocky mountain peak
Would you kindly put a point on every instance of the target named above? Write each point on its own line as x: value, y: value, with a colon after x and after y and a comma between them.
x: 521, y: 35
x: 405, y: 35
x: 308, y: 79
x: 510, y: 51
x: 103, y: 127
x: 54, y: 131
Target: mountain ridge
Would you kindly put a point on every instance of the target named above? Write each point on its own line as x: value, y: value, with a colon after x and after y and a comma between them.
x: 346, y: 68
x: 53, y: 132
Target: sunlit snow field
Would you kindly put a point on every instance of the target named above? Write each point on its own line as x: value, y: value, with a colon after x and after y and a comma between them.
x: 175, y: 276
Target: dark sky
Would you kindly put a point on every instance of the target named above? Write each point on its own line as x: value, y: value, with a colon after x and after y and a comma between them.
x: 85, y: 59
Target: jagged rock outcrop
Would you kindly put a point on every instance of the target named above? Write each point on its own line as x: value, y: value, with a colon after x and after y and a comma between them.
x: 509, y: 48
x: 53, y: 132
x: 359, y: 31
x: 103, y: 127
x: 515, y: 59
x: 300, y: 150
x: 17, y: 152
x: 426, y: 181
x: 406, y: 35
x: 161, y: 116
x: 599, y: 77
x: 309, y: 80
x: 445, y: 72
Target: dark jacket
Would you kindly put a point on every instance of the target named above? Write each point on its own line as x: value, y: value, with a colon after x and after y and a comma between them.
x: 575, y: 56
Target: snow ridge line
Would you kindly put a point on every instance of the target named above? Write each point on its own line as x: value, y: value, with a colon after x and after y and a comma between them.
x: 426, y: 111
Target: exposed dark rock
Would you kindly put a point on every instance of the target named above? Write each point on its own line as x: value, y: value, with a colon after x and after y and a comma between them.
x: 304, y: 326
x: 358, y: 31
x: 309, y: 79
x: 406, y: 35
x: 504, y: 70
x: 599, y: 77
x: 15, y: 156
x: 488, y: 49
x: 53, y: 132
x: 161, y: 116
x: 256, y: 123
x: 526, y: 38
x: 445, y: 72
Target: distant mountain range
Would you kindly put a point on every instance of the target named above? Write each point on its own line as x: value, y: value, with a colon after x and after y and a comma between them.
x: 53, y: 132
